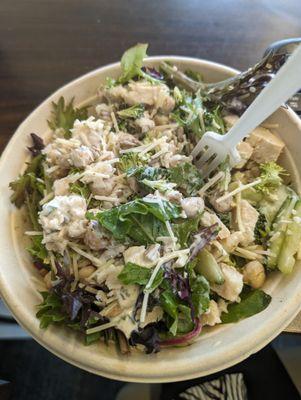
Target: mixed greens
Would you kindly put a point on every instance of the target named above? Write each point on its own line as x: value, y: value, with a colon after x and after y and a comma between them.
x: 133, y: 244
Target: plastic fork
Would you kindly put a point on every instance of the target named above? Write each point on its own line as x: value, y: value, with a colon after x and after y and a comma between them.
x: 213, y: 148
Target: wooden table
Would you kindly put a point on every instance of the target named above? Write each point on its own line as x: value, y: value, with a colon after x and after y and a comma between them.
x: 44, y: 44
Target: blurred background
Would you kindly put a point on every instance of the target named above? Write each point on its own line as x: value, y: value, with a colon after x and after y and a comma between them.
x: 46, y: 43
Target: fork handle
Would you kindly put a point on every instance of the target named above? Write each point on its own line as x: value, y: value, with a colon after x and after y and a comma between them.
x: 285, y: 83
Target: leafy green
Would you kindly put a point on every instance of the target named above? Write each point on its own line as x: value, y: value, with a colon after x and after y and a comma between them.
x: 135, y: 274
x: 134, y: 112
x: 270, y: 177
x: 188, y: 112
x: 132, y: 61
x: 192, y: 114
x: 161, y: 185
x: 200, y: 290
x: 128, y: 162
x: 178, y: 313
x: 149, y: 173
x: 185, y: 322
x: 140, y: 220
x: 50, y: 310
x: 187, y: 177
x: 213, y: 120
x: 151, y: 178
x: 81, y: 189
x: 28, y: 182
x: 37, y: 249
x: 252, y: 302
x: 196, y: 76
x: 110, y: 82
x: 29, y: 189
x: 225, y: 218
x: 184, y: 230
x: 169, y: 304
x: 64, y: 115
x: 92, y: 338
x: 261, y: 230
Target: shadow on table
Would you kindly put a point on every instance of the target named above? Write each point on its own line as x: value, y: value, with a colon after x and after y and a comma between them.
x: 36, y: 374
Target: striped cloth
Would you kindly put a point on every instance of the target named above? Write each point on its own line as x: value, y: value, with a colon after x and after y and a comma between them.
x: 227, y: 387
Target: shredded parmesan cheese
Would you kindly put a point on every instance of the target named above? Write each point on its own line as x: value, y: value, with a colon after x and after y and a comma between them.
x: 114, y: 120
x: 90, y: 257
x: 101, y: 327
x: 52, y: 262
x: 238, y: 190
x: 106, y: 198
x: 162, y: 261
x: 249, y: 255
x: 238, y: 211
x: 211, y: 182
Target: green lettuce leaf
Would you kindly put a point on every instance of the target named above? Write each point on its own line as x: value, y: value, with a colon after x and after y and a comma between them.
x: 64, y: 115
x: 178, y: 314
x: 197, y: 119
x: 184, y: 230
x: 38, y: 249
x: 135, y: 274
x: 138, y: 221
x: 50, y: 310
x: 132, y: 61
x: 252, y: 302
x: 81, y: 189
x: 92, y: 338
x: 185, y: 177
x: 200, y: 290
x: 134, y: 112
x: 29, y: 189
x: 188, y: 111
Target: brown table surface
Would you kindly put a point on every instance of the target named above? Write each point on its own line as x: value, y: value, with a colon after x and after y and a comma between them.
x: 44, y: 44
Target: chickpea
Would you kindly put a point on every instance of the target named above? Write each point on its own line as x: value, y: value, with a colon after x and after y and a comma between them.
x: 85, y: 272
x: 254, y: 274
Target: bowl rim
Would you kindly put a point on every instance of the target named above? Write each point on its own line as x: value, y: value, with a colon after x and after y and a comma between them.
x: 264, y: 335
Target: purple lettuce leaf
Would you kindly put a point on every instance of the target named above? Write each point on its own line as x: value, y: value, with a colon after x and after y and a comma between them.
x: 205, y: 236
x: 37, y: 145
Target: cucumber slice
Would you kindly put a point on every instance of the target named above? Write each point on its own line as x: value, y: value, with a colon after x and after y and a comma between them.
x: 279, y: 228
x: 209, y: 268
x: 270, y: 207
x: 291, y: 242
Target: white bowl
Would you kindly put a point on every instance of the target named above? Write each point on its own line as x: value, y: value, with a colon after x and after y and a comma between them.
x: 216, y: 348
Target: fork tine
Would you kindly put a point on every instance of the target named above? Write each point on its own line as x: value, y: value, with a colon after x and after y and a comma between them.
x: 205, y: 157
x: 198, y: 147
x: 211, y: 166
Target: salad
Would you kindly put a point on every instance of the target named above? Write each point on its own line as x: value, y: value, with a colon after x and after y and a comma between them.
x: 132, y: 243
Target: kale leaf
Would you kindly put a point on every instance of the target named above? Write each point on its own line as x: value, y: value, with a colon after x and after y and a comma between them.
x: 187, y: 177
x: 129, y: 162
